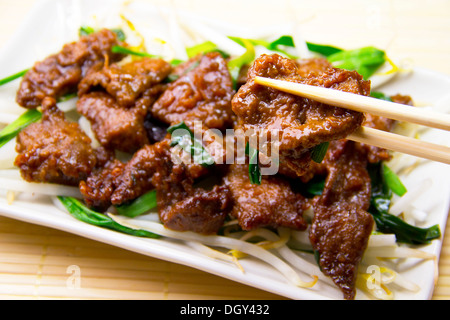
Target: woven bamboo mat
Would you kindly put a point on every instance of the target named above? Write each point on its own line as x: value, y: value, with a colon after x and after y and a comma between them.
x: 41, y: 263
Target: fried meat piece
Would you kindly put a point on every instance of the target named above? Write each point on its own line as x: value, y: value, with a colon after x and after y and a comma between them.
x: 203, y: 93
x: 376, y: 154
x: 137, y: 175
x: 130, y: 82
x: 61, y: 73
x: 270, y: 204
x: 341, y: 226
x: 54, y: 150
x: 115, y: 127
x: 301, y: 123
x: 98, y: 188
x: 182, y: 207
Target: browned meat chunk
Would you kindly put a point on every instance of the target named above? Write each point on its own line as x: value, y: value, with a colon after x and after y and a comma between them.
x: 61, y: 73
x: 54, y: 150
x: 376, y: 154
x: 313, y: 67
x: 115, y: 127
x: 272, y: 203
x: 341, y: 225
x: 129, y: 82
x: 137, y: 175
x: 98, y: 188
x: 201, y: 94
x: 301, y: 123
x: 182, y: 207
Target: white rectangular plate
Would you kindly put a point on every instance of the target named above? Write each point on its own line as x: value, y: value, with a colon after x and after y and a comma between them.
x: 53, y: 23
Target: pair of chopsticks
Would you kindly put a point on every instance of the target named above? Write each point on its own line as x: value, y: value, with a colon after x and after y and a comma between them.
x: 387, y: 109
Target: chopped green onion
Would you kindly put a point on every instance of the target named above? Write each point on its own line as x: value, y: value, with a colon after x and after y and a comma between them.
x: 324, y: 50
x: 393, y: 181
x: 318, y: 153
x: 123, y: 50
x: 139, y: 206
x: 254, y: 172
x: 203, y: 48
x: 365, y: 60
x: 235, y: 65
x: 380, y: 95
x: 120, y: 34
x: 85, y: 31
x: 13, y: 77
x: 79, y: 211
x: 404, y: 232
x: 12, y: 130
x: 388, y: 223
x: 186, y: 140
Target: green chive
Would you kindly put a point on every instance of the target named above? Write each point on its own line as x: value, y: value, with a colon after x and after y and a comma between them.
x: 123, y: 50
x: 324, y: 50
x: 13, y: 77
x: 318, y: 153
x: 235, y: 65
x: 388, y: 223
x: 254, y: 171
x: 139, y: 206
x: 393, y: 181
x: 187, y: 141
x: 79, y: 211
x: 12, y: 130
x: 365, y: 60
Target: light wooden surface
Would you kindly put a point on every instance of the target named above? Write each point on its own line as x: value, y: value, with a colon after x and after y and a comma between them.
x: 40, y: 263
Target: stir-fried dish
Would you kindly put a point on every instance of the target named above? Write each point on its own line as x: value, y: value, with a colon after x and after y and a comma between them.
x: 135, y: 104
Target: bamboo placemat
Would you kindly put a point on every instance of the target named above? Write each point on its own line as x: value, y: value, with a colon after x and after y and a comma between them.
x: 37, y: 262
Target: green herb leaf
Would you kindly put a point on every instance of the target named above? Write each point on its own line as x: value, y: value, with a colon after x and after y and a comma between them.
x: 139, y: 206
x: 380, y: 95
x: 85, y: 31
x: 124, y: 50
x: 388, y: 223
x: 184, y: 137
x: 254, y: 171
x: 393, y: 181
x: 318, y: 153
x: 235, y: 65
x: 120, y: 34
x: 13, y: 77
x: 12, y: 130
x: 324, y: 50
x: 203, y: 48
x: 79, y: 211
x: 365, y: 60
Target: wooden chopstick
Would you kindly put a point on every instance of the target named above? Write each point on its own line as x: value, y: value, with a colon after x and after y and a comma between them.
x: 399, y: 143
x: 391, y: 110
x: 361, y: 103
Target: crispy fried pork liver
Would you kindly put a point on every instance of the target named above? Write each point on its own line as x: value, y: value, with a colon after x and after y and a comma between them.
x: 203, y: 92
x: 341, y: 225
x: 61, y: 73
x: 270, y: 204
x: 301, y: 123
x: 54, y: 150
